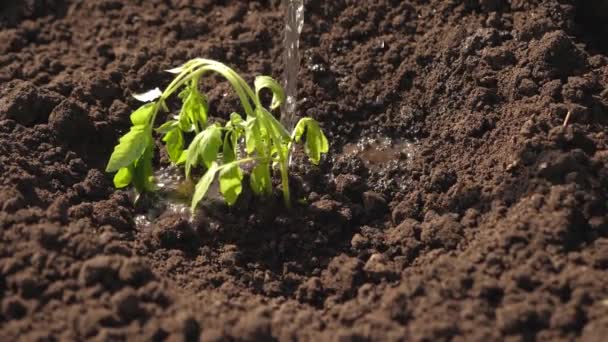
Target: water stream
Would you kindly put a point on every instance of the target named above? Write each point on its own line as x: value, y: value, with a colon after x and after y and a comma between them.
x: 294, y: 21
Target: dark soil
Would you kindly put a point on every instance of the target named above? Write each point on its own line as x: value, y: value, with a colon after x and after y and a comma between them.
x: 494, y: 227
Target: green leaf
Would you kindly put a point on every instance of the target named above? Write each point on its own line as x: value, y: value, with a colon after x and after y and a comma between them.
x: 204, y: 148
x: 237, y: 120
x: 260, y: 179
x: 167, y: 126
x: 203, y: 184
x: 123, y: 177
x: 299, y: 130
x: 316, y: 141
x: 130, y: 147
x: 266, y: 82
x: 182, y: 158
x: 230, y: 182
x: 142, y: 175
x: 174, y: 140
x: 143, y: 114
x: 229, y: 147
x: 252, y: 135
x: 274, y: 124
x: 194, y: 109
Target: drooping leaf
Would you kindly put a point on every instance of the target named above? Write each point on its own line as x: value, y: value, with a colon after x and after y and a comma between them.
x: 299, y: 130
x: 316, y: 142
x: 204, y: 148
x: 142, y: 175
x: 252, y: 135
x: 123, y: 177
x: 184, y: 119
x: 231, y: 178
x: 185, y: 124
x: 148, y: 96
x: 167, y: 126
x: 198, y: 107
x: 210, y: 144
x: 174, y: 141
x: 229, y: 147
x: 266, y: 82
x: 130, y: 147
x: 273, y: 124
x: 194, y: 109
x: 260, y: 179
x: 182, y: 158
x: 143, y: 114
x: 203, y: 184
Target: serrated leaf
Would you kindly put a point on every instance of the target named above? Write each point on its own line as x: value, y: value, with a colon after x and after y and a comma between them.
x: 130, y: 147
x: 123, y: 177
x: 204, y: 148
x: 148, y: 96
x: 266, y: 82
x: 201, y: 188
x: 143, y: 114
x: 260, y: 179
x: 174, y: 142
x: 231, y: 178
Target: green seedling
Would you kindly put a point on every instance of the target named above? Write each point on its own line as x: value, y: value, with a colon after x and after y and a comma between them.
x: 258, y: 139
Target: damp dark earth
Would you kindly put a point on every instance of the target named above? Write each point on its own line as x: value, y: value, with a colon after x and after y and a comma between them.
x: 464, y: 196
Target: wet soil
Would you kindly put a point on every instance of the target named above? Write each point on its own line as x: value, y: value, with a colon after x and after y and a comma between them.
x: 493, y: 226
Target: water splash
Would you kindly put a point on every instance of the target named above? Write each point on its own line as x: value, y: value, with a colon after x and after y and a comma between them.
x: 294, y: 22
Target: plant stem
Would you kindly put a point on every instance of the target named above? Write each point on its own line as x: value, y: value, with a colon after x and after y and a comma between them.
x: 285, y: 183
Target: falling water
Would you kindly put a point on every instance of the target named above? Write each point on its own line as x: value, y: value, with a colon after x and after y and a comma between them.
x: 294, y: 21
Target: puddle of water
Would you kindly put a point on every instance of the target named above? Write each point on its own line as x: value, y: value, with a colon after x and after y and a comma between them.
x: 172, y: 184
x: 172, y: 197
x: 376, y: 153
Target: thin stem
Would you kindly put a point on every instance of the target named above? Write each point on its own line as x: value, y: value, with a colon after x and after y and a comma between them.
x: 285, y: 183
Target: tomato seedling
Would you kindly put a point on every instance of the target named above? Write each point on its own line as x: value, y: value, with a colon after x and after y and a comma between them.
x: 262, y: 140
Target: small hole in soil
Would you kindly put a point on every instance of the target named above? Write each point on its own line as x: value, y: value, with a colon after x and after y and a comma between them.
x: 592, y: 21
